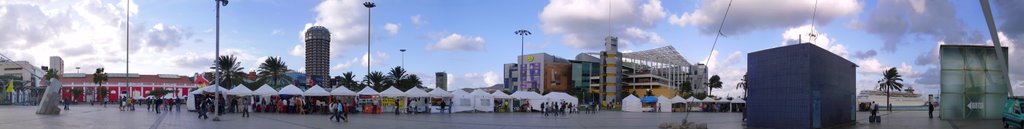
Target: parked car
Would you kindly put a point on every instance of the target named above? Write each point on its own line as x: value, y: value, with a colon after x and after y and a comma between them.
x: 1013, y: 112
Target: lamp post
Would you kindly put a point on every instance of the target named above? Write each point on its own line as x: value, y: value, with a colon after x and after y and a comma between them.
x: 216, y: 109
x: 522, y: 52
x: 403, y: 57
x: 368, y: 5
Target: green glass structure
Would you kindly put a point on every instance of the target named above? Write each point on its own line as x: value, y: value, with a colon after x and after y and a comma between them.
x: 972, y: 82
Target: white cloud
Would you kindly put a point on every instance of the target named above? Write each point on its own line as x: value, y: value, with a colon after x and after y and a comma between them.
x: 793, y: 35
x: 346, y: 19
x: 748, y: 15
x: 348, y: 64
x: 378, y: 58
x: 892, y: 21
x: 457, y: 42
x: 392, y: 28
x: 474, y: 80
x: 582, y: 24
x: 416, y: 20
x: 731, y: 70
x: 90, y: 34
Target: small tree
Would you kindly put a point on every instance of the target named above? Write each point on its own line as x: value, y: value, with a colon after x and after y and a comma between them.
x: 714, y: 82
x: 102, y: 94
x: 75, y: 92
x: 891, y: 81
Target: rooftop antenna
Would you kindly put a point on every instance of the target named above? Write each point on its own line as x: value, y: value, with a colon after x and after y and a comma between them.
x: 814, y: 13
x: 609, y: 18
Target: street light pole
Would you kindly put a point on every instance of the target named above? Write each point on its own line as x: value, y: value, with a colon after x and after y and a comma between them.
x: 522, y: 53
x: 403, y: 57
x: 368, y: 5
x: 216, y: 100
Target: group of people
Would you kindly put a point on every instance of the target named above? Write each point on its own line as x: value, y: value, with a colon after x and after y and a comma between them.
x: 154, y: 104
x: 558, y: 108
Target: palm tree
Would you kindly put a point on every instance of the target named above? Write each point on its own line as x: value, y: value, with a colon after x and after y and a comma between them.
x: 348, y: 79
x: 375, y: 80
x: 76, y: 93
x: 272, y: 72
x: 395, y: 77
x: 51, y: 74
x: 714, y: 82
x: 890, y: 81
x: 231, y: 71
x: 102, y: 92
x: 410, y: 82
x: 99, y: 77
x: 685, y: 88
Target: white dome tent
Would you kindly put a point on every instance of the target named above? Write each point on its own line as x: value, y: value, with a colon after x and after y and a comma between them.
x: 368, y: 91
x: 417, y: 92
x: 462, y: 101
x: 290, y: 90
x: 561, y: 97
x: 342, y: 91
x: 438, y: 93
x: 392, y: 92
x: 500, y: 96
x: 631, y: 104
x: 483, y: 101
x: 532, y: 97
x: 664, y: 104
x: 265, y: 90
x: 418, y: 100
x: 316, y: 90
x: 240, y: 90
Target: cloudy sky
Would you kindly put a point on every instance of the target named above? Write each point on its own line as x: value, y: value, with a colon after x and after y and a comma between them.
x: 471, y: 39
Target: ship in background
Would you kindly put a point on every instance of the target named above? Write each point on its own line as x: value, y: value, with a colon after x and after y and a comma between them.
x: 905, y: 98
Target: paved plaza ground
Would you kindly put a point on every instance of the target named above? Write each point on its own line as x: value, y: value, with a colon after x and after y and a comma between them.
x: 97, y: 117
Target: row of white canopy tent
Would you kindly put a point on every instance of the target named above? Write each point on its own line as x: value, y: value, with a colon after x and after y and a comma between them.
x: 316, y: 90
x: 632, y: 103
x: 480, y: 100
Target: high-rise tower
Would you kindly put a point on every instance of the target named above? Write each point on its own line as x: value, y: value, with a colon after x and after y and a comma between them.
x: 318, y: 51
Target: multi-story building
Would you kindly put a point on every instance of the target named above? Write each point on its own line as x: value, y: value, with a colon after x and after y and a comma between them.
x: 57, y: 64
x: 699, y: 79
x: 27, y: 79
x: 318, y: 52
x: 140, y: 86
x: 661, y: 70
x: 441, y: 80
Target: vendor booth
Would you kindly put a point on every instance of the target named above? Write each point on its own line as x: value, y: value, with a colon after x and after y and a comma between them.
x: 369, y: 100
x: 631, y: 104
x: 664, y: 104
x: 482, y: 101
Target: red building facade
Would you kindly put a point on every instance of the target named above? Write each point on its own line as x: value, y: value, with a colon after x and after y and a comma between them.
x: 140, y: 86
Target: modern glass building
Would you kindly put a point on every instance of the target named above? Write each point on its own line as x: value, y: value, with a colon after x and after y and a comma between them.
x: 973, y: 86
x: 800, y: 86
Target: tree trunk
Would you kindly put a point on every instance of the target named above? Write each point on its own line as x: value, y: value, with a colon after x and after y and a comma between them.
x: 887, y: 104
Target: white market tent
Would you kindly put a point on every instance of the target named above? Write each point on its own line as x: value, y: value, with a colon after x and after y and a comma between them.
x: 561, y: 97
x: 265, y: 90
x: 392, y: 92
x: 240, y: 90
x: 631, y: 104
x: 438, y: 93
x: 707, y: 100
x: 483, y: 101
x: 692, y: 99
x: 417, y: 92
x: 213, y: 88
x: 500, y: 95
x: 678, y: 99
x: 532, y: 97
x: 664, y: 104
x: 342, y: 91
x: 316, y: 90
x: 290, y: 90
x: 368, y: 91
x: 462, y: 101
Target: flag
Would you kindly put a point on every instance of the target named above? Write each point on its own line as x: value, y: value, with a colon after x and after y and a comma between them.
x: 10, y: 87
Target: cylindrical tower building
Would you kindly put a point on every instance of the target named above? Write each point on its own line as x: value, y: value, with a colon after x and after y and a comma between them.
x: 318, y: 51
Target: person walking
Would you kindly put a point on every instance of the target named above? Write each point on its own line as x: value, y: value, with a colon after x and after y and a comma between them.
x: 246, y: 105
x: 156, y: 106
x: 931, y: 108
x: 204, y: 106
x: 543, y: 108
x: 66, y: 101
x: 396, y: 106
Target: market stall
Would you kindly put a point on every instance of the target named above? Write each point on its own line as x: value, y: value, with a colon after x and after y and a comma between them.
x: 631, y: 104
